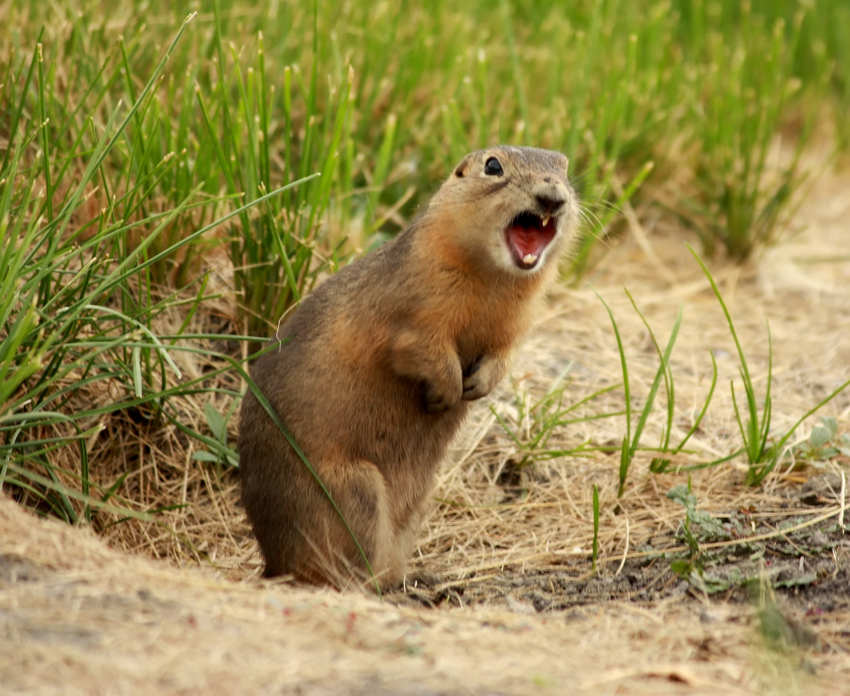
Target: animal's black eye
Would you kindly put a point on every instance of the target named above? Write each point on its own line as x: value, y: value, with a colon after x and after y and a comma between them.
x: 492, y: 167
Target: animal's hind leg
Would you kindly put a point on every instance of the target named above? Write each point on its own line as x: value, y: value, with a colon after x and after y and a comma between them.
x: 360, y: 492
x: 404, y: 540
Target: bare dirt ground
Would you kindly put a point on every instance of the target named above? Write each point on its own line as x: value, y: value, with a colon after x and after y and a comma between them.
x: 501, y: 597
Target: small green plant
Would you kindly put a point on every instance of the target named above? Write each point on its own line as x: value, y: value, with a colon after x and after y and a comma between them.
x: 219, y: 451
x: 595, y: 554
x: 824, y: 443
x: 659, y: 464
x: 707, y: 528
x: 631, y: 441
x: 755, y: 431
x: 536, y: 423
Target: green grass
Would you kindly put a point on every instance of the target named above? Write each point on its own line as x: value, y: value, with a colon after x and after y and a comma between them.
x: 536, y: 422
x: 595, y: 547
x: 138, y: 149
x: 631, y: 440
x: 762, y: 448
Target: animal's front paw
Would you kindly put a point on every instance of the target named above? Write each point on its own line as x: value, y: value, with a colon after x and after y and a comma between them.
x: 437, y: 400
x: 473, y: 384
x: 480, y: 378
x: 442, y: 382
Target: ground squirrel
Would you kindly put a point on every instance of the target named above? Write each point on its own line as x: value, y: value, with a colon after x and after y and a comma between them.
x: 383, y: 359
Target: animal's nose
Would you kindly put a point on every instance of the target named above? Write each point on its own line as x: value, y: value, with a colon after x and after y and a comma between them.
x: 551, y: 202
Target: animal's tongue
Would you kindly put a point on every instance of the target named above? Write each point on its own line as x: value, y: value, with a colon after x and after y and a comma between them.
x: 527, y: 238
x: 527, y: 241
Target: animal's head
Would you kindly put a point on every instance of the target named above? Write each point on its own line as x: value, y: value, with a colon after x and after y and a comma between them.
x: 512, y: 206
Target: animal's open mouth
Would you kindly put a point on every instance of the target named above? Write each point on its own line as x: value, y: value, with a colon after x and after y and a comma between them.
x: 527, y: 237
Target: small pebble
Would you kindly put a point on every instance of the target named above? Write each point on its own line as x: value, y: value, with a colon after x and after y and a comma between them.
x: 819, y: 539
x: 708, y: 616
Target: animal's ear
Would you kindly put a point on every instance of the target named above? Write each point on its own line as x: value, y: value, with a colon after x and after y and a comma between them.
x: 461, y: 169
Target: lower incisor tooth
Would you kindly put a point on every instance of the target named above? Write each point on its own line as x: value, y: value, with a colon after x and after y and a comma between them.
x: 529, y: 258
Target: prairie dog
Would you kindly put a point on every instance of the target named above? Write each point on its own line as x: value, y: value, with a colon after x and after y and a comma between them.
x: 383, y: 360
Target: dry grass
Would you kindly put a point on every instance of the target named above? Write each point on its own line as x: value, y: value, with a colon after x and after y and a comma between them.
x: 93, y: 620
x: 79, y: 618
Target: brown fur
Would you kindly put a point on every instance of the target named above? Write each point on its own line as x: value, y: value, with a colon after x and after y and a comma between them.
x: 383, y: 360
